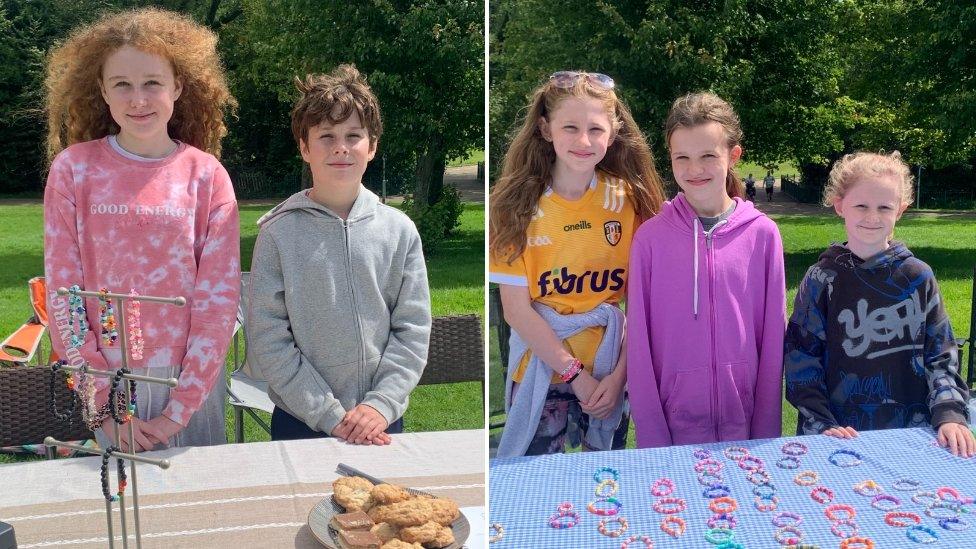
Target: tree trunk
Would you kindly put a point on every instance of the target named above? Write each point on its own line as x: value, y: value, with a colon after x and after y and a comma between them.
x: 429, y: 176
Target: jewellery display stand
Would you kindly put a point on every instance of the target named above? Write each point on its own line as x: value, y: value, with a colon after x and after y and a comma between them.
x: 119, y: 301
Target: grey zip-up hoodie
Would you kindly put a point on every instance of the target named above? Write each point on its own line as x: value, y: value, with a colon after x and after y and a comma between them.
x: 339, y: 311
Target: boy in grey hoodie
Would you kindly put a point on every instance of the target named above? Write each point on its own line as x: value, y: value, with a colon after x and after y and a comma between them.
x: 339, y: 309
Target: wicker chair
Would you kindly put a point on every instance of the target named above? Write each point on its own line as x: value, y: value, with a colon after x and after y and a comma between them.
x: 26, y: 416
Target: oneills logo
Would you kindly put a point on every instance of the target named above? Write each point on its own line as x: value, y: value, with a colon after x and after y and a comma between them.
x: 612, y: 230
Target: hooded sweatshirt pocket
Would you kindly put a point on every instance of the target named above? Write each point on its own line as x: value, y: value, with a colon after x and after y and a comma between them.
x: 687, y: 400
x: 736, y: 397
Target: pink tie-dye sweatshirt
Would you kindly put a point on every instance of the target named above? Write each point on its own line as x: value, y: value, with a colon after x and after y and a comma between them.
x: 163, y: 228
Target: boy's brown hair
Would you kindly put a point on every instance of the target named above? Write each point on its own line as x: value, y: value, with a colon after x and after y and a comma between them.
x: 333, y: 98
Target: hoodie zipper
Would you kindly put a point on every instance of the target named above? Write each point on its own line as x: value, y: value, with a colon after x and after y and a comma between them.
x: 355, y: 308
x: 710, y: 259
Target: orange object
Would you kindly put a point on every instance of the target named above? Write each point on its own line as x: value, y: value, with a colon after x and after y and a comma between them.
x: 20, y: 347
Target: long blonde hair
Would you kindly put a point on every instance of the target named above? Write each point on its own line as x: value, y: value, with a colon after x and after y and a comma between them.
x: 695, y: 109
x: 77, y: 112
x: 527, y: 168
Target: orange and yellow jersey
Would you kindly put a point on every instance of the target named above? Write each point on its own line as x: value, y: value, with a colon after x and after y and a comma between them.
x: 575, y: 258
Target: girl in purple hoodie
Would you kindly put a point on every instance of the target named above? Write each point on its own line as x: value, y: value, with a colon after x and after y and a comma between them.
x: 706, y: 305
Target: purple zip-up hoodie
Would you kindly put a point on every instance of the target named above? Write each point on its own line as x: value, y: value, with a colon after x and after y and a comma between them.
x: 706, y: 315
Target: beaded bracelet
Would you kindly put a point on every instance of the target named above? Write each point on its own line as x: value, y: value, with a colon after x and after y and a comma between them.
x: 602, y: 527
x: 608, y: 512
x: 891, y: 518
x: 945, y: 522
x: 499, y: 532
x: 598, y: 475
x: 721, y: 520
x: 79, y: 315
x: 857, y: 543
x: 723, y: 504
x: 764, y: 505
x: 876, y: 502
x: 120, y: 410
x: 759, y: 477
x: 107, y: 314
x: 917, y: 534
x: 788, y: 462
x: 925, y: 498
x: 662, y: 487
x: 783, y: 538
x: 133, y: 323
x: 835, y: 528
x: 906, y: 484
x: 751, y: 463
x: 795, y: 449
x: 120, y: 467
x: 730, y: 544
x: 603, y: 483
x: 701, y: 453
x: 931, y: 510
x: 556, y: 520
x: 67, y: 415
x: 735, y: 453
x: 565, y: 506
x: 708, y: 478
x: 779, y: 522
x: 947, y: 491
x: 709, y: 465
x: 716, y: 536
x: 831, y: 512
x: 764, y: 491
x: 868, y: 488
x: 571, y: 370
x: 834, y: 458
x: 806, y: 478
x: 645, y: 539
x: 822, y: 494
x: 716, y: 491
x: 674, y: 531
x: 670, y: 505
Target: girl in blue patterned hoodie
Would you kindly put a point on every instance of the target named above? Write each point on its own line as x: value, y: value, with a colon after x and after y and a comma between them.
x: 869, y: 345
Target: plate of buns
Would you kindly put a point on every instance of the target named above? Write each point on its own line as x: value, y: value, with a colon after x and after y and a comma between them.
x: 367, y: 513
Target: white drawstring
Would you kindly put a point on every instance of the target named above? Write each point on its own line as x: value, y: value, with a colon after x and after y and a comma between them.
x: 694, y: 230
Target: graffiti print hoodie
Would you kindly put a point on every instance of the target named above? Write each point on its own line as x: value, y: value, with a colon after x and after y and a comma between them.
x: 869, y: 345
x: 706, y: 314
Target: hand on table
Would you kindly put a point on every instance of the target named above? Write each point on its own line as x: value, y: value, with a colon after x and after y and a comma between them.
x: 605, y: 397
x: 958, y: 439
x: 146, y: 434
x: 841, y: 432
x: 363, y: 425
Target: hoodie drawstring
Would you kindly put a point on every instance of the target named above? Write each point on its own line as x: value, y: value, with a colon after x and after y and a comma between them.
x: 694, y: 232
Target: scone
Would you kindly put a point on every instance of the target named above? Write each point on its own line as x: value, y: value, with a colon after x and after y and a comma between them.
x: 353, y: 493
x: 388, y: 493
x: 444, y: 538
x: 413, y: 512
x: 398, y: 544
x: 358, y: 539
x: 385, y: 531
x: 445, y: 511
x: 425, y: 533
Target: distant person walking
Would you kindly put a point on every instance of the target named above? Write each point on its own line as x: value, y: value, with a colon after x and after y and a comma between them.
x: 768, y: 182
x: 751, y: 187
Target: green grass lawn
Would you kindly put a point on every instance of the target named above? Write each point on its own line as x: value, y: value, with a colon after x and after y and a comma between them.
x: 947, y: 244
x: 758, y: 172
x: 456, y: 275
x: 473, y: 157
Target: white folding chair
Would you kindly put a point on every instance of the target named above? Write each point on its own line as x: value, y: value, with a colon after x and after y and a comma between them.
x: 246, y: 391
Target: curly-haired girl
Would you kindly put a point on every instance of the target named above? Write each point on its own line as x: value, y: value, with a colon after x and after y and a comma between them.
x: 135, y: 199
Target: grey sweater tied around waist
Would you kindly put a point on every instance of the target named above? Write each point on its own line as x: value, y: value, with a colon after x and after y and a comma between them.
x: 526, y: 411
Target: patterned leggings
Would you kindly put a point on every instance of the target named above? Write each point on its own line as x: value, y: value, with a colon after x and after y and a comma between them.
x: 562, y: 418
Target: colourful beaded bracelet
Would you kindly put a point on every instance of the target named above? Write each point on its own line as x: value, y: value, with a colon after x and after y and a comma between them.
x: 608, y: 512
x: 598, y: 475
x: 669, y: 505
x: 795, y: 449
x: 953, y: 510
x: 783, y: 537
x: 892, y: 519
x: 730, y: 544
x: 735, y: 453
x: 876, y: 502
x: 759, y: 477
x: 708, y: 478
x: 499, y: 532
x: 868, y: 488
x: 806, y: 478
x: 565, y: 506
x: 701, y: 453
x: 602, y: 527
x: 779, y: 521
x: 751, y: 464
x: 918, y: 532
x: 802, y: 546
x: 857, y: 543
x: 722, y: 520
x: 764, y: 505
x: 717, y: 536
x: 674, y: 531
x: 662, y: 487
x: 906, y: 484
x: 961, y: 524
x: 835, y: 459
x: 556, y: 520
x: 952, y: 493
x: 710, y: 465
x: 835, y: 528
x: 788, y: 462
x: 822, y: 494
x: 925, y: 498
x: 831, y: 512
x: 645, y: 539
x: 764, y: 491
x: 605, y: 483
x: 723, y: 504
x: 716, y: 491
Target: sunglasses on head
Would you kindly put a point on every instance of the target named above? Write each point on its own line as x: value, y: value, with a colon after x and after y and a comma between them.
x: 567, y: 79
